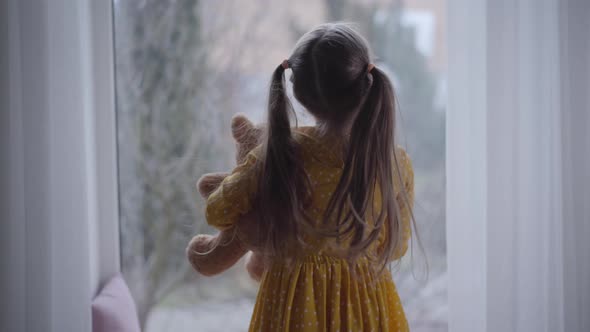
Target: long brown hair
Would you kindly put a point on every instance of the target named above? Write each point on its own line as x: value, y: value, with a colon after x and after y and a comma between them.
x: 333, y: 79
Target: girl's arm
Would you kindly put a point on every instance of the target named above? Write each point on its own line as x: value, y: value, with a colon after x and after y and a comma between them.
x: 405, y: 200
x: 234, y: 196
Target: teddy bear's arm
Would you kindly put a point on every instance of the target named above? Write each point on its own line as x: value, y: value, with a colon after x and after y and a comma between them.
x: 211, y: 255
x: 209, y: 182
x: 255, y: 265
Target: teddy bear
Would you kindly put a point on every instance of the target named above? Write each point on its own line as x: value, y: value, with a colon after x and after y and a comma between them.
x: 213, y: 254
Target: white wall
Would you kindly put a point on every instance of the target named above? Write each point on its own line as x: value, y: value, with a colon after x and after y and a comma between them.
x: 59, y: 233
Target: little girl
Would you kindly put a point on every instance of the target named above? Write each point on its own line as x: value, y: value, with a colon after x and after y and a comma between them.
x: 332, y: 203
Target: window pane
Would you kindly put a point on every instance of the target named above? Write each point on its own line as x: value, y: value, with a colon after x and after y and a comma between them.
x: 183, y: 68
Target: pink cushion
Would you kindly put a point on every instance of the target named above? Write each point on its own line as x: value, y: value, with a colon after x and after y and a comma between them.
x: 113, y: 309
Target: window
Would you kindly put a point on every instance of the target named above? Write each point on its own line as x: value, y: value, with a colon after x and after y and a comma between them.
x: 183, y: 68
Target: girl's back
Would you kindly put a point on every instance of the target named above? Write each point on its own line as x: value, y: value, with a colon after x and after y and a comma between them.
x: 330, y: 213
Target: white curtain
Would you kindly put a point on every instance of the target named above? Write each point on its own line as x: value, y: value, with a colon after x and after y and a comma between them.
x: 575, y: 117
x: 518, y: 164
x: 58, y: 194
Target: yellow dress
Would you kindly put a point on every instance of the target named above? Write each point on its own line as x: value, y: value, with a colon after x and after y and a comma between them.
x: 317, y: 292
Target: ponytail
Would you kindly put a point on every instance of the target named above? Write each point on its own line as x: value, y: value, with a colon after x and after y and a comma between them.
x: 282, y: 182
x: 368, y: 168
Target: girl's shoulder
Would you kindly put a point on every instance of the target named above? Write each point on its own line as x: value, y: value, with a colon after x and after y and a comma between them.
x: 403, y: 163
x: 402, y: 157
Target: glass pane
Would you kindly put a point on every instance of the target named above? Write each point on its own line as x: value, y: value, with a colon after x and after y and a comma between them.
x: 183, y: 68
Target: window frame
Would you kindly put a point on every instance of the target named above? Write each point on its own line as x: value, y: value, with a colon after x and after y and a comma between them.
x: 105, y: 132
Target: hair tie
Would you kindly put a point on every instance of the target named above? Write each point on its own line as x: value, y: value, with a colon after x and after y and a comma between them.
x: 285, y: 64
x: 370, y: 67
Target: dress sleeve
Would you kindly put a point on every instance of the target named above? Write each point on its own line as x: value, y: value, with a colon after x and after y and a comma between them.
x: 234, y: 196
x: 405, y: 198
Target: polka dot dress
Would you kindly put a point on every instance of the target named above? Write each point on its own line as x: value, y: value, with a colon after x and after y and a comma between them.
x: 317, y: 291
